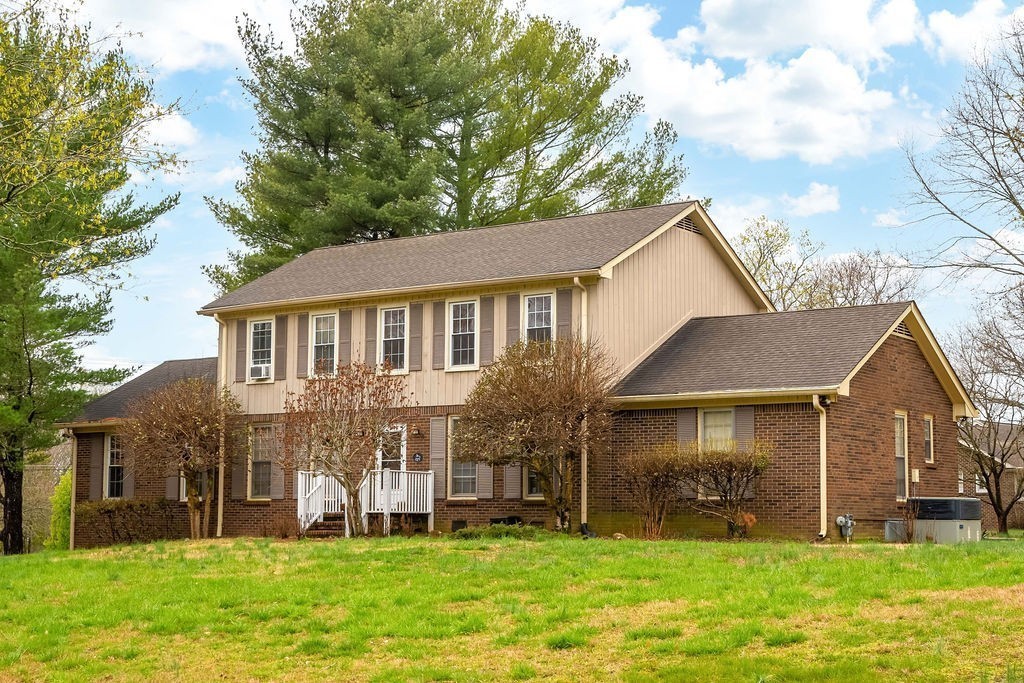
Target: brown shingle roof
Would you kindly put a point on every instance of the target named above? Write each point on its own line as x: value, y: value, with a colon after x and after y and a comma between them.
x: 762, y: 351
x: 113, y: 404
x: 514, y: 250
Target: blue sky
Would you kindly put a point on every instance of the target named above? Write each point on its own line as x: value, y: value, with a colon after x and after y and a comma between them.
x: 790, y: 108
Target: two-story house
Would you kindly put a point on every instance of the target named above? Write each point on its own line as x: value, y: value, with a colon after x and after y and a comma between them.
x: 860, y: 402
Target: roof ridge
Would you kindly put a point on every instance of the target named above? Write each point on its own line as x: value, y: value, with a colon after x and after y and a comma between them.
x: 805, y: 310
x: 392, y: 240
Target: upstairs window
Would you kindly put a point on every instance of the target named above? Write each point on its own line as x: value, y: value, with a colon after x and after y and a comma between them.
x: 393, y: 338
x: 462, y: 341
x: 324, y: 337
x: 929, y: 444
x: 114, y: 467
x: 262, y: 451
x: 900, y: 422
x: 539, y: 318
x: 716, y: 428
x: 261, y: 335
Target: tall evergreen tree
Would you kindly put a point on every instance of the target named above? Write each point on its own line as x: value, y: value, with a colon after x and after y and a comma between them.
x: 398, y: 117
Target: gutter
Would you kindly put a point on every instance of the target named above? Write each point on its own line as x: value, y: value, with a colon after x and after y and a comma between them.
x: 222, y: 447
x: 701, y: 396
x: 584, y: 337
x: 822, y: 464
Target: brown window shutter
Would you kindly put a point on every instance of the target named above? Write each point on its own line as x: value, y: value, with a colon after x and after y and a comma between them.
x: 486, y: 330
x: 172, y: 486
x: 415, y: 337
x: 438, y: 336
x: 281, y: 347
x: 239, y: 475
x: 564, y: 313
x: 686, y: 433
x: 129, y: 484
x: 512, y: 333
x: 302, y: 346
x: 241, y: 361
x: 345, y: 337
x: 96, y: 444
x: 743, y: 425
x: 370, y: 352
x: 276, y: 481
x: 439, y: 455
x: 513, y: 481
x: 484, y: 481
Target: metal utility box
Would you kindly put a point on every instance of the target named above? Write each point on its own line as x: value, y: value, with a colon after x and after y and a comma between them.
x: 946, y: 520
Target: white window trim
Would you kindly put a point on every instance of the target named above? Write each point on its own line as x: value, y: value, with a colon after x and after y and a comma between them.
x: 248, y: 475
x: 929, y: 458
x: 700, y: 421
x: 106, y: 469
x: 448, y: 331
x: 249, y: 349
x: 554, y: 312
x: 960, y: 482
x: 448, y: 468
x: 906, y: 453
x: 379, y: 454
x: 526, y: 481
x: 380, y: 336
x: 182, y: 494
x: 979, y: 484
x: 313, y: 315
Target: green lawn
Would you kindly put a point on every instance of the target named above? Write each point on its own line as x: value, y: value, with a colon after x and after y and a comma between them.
x: 475, y: 610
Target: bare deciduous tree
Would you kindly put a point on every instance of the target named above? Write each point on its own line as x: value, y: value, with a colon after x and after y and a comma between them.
x: 652, y: 478
x: 974, y: 178
x: 338, y: 421
x: 723, y: 477
x: 541, y: 406
x: 180, y: 428
x: 989, y: 358
x: 864, y: 277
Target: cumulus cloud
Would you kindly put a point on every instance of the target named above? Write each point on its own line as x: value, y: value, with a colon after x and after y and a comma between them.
x: 731, y: 218
x: 957, y: 37
x: 819, y: 198
x: 892, y: 218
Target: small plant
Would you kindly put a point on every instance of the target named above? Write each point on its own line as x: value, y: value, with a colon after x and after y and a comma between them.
x: 723, y: 477
x: 522, y: 532
x: 60, y: 517
x: 652, y: 480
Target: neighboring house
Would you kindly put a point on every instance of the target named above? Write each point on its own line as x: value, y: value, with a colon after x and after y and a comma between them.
x: 999, y: 443
x: 860, y: 402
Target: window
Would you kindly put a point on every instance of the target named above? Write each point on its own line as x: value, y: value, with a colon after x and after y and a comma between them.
x: 960, y: 482
x: 900, y: 422
x: 462, y: 483
x: 716, y: 428
x: 260, y: 461
x: 462, y: 339
x: 261, y: 334
x: 324, y: 359
x: 201, y: 485
x: 391, y: 454
x: 393, y: 338
x: 979, y: 483
x: 113, y: 470
x: 539, y: 319
x: 531, y: 484
x: 929, y: 433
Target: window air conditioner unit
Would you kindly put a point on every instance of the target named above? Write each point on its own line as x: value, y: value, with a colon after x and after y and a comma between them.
x: 259, y: 371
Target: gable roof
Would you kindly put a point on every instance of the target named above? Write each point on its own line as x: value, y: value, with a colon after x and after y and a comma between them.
x: 791, y: 352
x: 562, y: 247
x: 113, y: 404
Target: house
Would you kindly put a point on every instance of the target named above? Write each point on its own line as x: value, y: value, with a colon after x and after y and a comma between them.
x: 860, y: 403
x: 1000, y: 442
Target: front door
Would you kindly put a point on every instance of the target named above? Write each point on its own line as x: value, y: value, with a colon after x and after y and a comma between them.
x: 391, y: 456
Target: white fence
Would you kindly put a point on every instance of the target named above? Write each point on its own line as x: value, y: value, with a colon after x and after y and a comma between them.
x: 381, y: 492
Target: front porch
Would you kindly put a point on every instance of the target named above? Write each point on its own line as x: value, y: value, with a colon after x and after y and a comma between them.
x: 382, y: 492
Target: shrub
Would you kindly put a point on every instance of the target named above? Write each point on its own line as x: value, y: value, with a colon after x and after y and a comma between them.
x: 652, y: 481
x: 724, y: 477
x: 529, y: 533
x: 60, y: 517
x: 129, y: 521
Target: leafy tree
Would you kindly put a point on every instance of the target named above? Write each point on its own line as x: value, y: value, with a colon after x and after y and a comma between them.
x: 395, y: 117
x: 73, y: 114
x: 60, y: 516
x: 338, y: 421
x: 182, y: 427
x: 541, y: 406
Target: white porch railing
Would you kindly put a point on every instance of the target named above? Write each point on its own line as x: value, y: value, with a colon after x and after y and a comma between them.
x: 381, y: 492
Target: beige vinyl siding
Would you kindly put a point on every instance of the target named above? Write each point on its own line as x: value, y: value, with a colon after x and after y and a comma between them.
x: 428, y: 386
x: 677, y: 274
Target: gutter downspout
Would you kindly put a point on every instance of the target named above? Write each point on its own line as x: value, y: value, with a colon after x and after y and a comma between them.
x: 822, y: 464
x: 222, y: 385
x: 584, y: 329
x: 74, y: 488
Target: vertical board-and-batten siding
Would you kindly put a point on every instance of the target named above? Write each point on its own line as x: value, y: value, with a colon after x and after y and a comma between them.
x: 439, y: 456
x: 676, y: 274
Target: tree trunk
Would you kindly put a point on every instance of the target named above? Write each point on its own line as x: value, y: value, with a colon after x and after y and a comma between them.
x: 206, y: 504
x: 1002, y: 521
x: 12, y: 536
x: 193, y: 509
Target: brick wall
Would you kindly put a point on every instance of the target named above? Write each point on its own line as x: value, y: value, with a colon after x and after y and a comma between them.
x: 1008, y: 484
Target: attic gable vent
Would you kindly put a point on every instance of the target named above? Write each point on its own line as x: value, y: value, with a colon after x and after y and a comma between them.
x: 903, y: 330
x: 686, y: 223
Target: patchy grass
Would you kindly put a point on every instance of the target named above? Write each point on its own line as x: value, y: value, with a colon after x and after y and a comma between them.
x: 485, y: 609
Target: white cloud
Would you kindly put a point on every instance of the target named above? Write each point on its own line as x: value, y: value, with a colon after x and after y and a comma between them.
x: 892, y: 218
x: 172, y: 131
x: 956, y: 37
x: 819, y: 198
x: 228, y: 175
x: 731, y: 218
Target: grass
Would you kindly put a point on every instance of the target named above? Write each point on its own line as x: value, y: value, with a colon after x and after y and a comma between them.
x: 484, y: 609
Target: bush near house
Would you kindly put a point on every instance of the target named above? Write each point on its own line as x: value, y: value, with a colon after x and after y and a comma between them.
x: 553, y: 608
x: 60, y: 514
